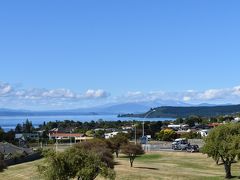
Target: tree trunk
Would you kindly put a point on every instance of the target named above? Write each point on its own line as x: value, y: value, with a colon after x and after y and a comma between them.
x: 117, y: 154
x: 227, y: 167
x: 131, y: 161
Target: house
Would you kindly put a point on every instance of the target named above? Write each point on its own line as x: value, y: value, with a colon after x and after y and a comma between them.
x: 9, y: 150
x: 212, y: 125
x: 203, y: 132
x: 112, y: 134
x: 178, y: 126
x: 26, y: 136
x: 236, y: 119
x: 69, y: 136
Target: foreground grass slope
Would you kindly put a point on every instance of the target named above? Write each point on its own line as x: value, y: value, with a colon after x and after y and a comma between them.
x: 151, y: 166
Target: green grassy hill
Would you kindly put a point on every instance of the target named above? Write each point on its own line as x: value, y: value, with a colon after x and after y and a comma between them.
x: 205, y: 111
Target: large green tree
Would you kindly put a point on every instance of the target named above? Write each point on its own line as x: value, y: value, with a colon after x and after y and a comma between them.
x: 132, y: 151
x: 82, y: 162
x: 117, y: 141
x: 223, y: 142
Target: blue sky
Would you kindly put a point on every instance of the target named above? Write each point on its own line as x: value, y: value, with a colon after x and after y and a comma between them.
x: 68, y: 54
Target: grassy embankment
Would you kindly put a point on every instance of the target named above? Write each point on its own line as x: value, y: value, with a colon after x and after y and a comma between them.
x: 160, y: 165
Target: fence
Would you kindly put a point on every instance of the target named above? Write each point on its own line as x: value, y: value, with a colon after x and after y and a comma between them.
x: 18, y: 160
x: 164, y: 145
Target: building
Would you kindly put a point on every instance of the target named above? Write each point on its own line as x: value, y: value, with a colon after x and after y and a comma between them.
x: 178, y: 126
x: 204, y: 132
x: 76, y: 137
x: 27, y: 136
x: 112, y: 134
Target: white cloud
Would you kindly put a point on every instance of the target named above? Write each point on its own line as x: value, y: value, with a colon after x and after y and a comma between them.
x: 5, y: 89
x: 212, y: 94
x: 134, y: 94
x: 186, y: 98
x: 91, y: 93
x: 63, y: 94
x: 236, y: 90
x: 15, y: 97
x: 209, y: 95
x: 59, y: 93
x: 65, y: 98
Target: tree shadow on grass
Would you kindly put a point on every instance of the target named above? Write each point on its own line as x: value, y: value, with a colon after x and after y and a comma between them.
x: 147, y: 168
x: 117, y: 163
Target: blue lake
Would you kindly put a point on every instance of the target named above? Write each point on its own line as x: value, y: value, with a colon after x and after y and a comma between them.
x: 10, y: 122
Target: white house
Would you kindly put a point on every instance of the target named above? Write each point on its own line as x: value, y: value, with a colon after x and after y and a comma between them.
x: 111, y: 134
x: 236, y: 119
x: 204, y: 132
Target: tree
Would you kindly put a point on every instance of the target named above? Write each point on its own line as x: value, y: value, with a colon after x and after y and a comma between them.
x: 191, y: 120
x: 117, y: 141
x: 99, y: 134
x: 2, y: 163
x: 19, y: 128
x: 1, y: 134
x: 132, y: 151
x: 223, y: 143
x: 191, y: 135
x: 166, y: 135
x: 9, y: 136
x: 179, y: 121
x: 28, y: 127
x: 99, y: 147
x: 80, y: 162
x: 90, y: 133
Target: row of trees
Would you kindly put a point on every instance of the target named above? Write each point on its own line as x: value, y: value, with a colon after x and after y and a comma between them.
x: 192, y: 120
x: 104, y: 126
x: 170, y: 135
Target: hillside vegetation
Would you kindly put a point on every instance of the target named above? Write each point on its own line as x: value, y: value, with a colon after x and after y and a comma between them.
x: 204, y: 111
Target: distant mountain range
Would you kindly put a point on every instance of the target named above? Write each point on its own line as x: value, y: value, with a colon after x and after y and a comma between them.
x: 124, y: 108
x: 109, y: 109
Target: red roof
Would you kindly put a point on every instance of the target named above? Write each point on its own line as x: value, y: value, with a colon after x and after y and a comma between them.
x: 214, y: 124
x: 66, y: 135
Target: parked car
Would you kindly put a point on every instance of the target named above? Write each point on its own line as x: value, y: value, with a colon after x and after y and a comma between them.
x: 193, y: 148
x: 180, y: 144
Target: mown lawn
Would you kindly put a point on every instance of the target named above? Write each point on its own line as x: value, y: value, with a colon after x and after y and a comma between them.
x: 151, y: 166
x: 25, y: 171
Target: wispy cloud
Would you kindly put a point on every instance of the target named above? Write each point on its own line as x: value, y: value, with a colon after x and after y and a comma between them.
x: 10, y: 95
x: 17, y: 97
x: 225, y: 94
x: 5, y: 89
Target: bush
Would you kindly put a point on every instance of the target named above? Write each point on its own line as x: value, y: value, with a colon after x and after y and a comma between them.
x: 191, y: 135
x: 166, y: 135
x: 84, y: 161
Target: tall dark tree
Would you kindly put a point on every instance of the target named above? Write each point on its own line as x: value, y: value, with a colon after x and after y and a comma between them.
x: 1, y: 134
x: 19, y: 128
x: 28, y: 127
